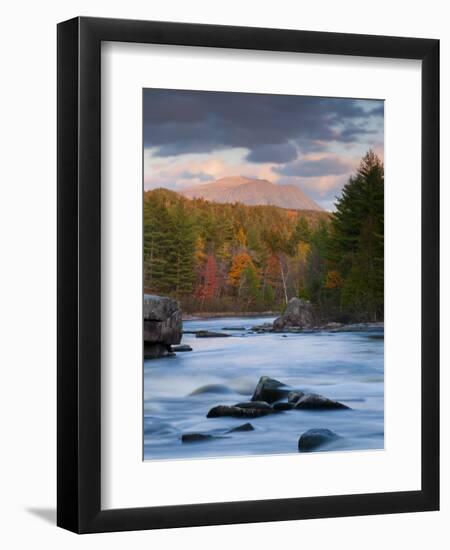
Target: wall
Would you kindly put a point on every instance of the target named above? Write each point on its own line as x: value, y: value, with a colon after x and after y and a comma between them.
x: 28, y: 268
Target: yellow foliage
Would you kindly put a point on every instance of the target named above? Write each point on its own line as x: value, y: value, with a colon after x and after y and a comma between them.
x: 200, y: 254
x: 333, y: 280
x: 241, y: 237
x: 303, y: 250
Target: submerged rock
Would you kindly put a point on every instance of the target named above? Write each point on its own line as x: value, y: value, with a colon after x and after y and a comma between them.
x: 162, y: 325
x: 318, y: 402
x: 247, y: 427
x: 198, y: 437
x: 299, y: 314
x: 312, y: 439
x: 210, y: 334
x: 269, y: 390
x: 238, y: 412
x: 212, y: 388
x: 182, y: 347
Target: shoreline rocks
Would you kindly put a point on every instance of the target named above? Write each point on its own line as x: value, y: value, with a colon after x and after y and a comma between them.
x: 299, y: 314
x: 162, y: 325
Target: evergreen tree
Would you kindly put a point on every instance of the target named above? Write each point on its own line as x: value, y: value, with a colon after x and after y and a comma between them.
x: 357, y: 246
x: 180, y: 252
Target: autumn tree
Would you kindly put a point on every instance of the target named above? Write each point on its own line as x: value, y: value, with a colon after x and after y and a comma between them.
x: 209, y: 283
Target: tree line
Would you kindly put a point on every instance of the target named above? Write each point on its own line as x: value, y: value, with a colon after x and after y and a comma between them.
x: 237, y: 258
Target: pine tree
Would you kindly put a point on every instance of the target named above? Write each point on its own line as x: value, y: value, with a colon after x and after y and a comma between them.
x: 357, y: 246
x: 180, y: 252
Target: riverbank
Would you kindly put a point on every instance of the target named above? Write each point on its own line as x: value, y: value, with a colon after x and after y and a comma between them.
x: 225, y: 314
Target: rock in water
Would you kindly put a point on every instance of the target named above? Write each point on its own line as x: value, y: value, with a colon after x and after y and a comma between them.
x: 299, y: 314
x: 294, y: 396
x: 182, y: 347
x: 197, y: 437
x: 162, y: 325
x: 312, y: 439
x: 318, y: 402
x: 212, y: 388
x: 154, y: 351
x: 269, y: 390
x: 210, y: 334
x: 238, y: 412
x: 261, y: 405
x: 247, y: 427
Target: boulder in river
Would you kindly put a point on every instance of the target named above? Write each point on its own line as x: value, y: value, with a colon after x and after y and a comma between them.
x: 247, y: 427
x: 157, y: 350
x: 312, y: 439
x: 298, y: 314
x: 212, y: 388
x: 269, y: 390
x: 198, y: 437
x: 210, y: 334
x: 238, y: 412
x: 182, y: 347
x: 162, y: 325
x: 315, y: 401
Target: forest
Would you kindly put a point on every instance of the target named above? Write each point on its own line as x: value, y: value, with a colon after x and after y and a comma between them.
x: 233, y: 258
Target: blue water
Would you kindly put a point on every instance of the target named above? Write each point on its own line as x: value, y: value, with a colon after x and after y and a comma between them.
x: 348, y: 367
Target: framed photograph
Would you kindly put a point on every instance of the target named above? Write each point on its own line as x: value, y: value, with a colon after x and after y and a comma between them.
x: 248, y: 292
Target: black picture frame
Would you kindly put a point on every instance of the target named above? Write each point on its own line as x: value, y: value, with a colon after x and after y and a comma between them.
x: 79, y: 280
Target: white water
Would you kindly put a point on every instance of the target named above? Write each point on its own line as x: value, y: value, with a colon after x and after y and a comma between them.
x: 348, y: 367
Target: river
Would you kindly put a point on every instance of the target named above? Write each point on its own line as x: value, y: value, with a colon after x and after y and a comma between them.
x: 345, y: 366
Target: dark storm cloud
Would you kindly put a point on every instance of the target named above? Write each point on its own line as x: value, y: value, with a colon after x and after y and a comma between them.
x: 278, y: 153
x: 179, y: 122
x: 315, y: 168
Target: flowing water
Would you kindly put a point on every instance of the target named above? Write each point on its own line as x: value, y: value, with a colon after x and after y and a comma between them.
x: 346, y: 366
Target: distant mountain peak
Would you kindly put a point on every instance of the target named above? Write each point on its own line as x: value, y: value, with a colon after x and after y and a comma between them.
x: 252, y: 191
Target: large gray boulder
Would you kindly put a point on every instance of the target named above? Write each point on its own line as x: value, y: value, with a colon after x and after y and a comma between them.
x: 299, y: 314
x: 162, y: 325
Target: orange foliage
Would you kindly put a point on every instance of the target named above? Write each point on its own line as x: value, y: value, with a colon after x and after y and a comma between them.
x: 239, y: 263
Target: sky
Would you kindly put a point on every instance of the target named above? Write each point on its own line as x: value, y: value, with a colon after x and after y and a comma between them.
x: 314, y: 143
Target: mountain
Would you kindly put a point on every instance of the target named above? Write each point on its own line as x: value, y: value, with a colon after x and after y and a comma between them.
x: 252, y: 192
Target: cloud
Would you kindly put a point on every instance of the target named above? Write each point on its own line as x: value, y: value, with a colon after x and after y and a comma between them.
x: 311, y: 168
x: 323, y: 189
x: 271, y: 127
x: 188, y: 170
x: 277, y: 153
